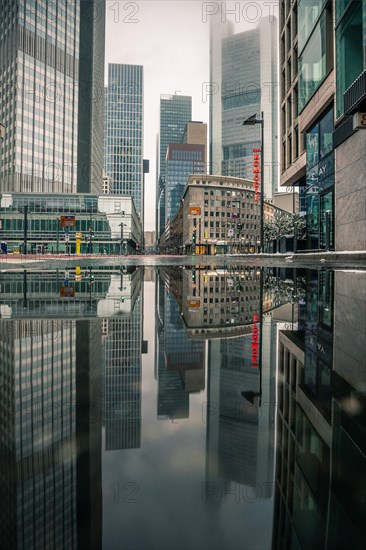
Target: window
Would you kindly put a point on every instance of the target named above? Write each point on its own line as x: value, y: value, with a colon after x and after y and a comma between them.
x: 312, y: 63
x: 349, y: 50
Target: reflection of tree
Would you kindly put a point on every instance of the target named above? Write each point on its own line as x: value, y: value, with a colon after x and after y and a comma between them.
x: 284, y: 291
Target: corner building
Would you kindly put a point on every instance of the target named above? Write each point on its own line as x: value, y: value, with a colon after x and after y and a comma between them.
x: 322, y: 98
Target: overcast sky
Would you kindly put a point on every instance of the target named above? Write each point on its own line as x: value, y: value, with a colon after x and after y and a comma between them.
x: 171, y: 40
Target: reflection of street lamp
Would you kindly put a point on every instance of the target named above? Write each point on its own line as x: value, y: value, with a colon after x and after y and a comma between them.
x: 251, y: 121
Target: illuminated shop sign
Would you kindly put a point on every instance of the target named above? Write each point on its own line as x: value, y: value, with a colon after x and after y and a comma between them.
x: 255, y: 343
x: 256, y: 172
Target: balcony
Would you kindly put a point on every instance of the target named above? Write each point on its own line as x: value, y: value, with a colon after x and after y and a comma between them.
x: 355, y: 97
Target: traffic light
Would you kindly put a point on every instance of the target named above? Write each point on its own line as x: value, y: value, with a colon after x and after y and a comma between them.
x: 194, y: 236
x: 238, y: 286
x: 193, y: 276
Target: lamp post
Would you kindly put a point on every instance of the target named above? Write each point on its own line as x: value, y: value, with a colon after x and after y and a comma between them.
x: 251, y: 121
x: 122, y: 225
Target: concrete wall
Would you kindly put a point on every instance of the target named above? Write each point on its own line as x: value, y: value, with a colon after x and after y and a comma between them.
x: 350, y: 193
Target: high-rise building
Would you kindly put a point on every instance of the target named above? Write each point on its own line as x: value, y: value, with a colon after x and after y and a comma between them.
x: 51, y: 83
x: 124, y: 131
x: 182, y: 160
x: 321, y: 115
x: 243, y: 80
x: 175, y: 112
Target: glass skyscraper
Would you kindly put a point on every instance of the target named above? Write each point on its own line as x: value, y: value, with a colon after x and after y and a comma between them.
x: 175, y: 112
x: 124, y: 130
x: 182, y: 160
x: 245, y: 66
x: 51, y: 63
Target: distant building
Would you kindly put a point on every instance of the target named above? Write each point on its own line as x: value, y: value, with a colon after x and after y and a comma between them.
x: 218, y: 214
x: 54, y: 222
x: 107, y: 184
x: 243, y: 80
x: 175, y: 112
x: 51, y: 96
x: 124, y: 117
x: 287, y: 201
x: 182, y: 160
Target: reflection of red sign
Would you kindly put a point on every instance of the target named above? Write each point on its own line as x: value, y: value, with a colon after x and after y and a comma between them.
x: 194, y: 303
x: 195, y: 210
x: 256, y: 172
x: 67, y: 291
x: 67, y: 221
x: 255, y: 344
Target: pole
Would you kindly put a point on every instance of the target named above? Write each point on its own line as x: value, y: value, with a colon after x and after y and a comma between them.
x: 57, y: 234
x: 262, y: 186
x: 121, y: 238
x: 25, y: 229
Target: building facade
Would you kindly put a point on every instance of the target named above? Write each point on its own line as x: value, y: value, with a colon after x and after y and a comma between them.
x: 175, y: 112
x: 38, y: 223
x: 124, y: 117
x: 182, y: 160
x: 243, y: 77
x: 217, y: 214
x: 51, y: 67
x: 321, y: 104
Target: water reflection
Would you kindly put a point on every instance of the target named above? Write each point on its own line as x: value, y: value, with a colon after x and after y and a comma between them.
x: 237, y: 409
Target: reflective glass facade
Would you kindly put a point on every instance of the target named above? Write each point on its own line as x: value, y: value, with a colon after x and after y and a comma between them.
x: 182, y: 161
x: 40, y: 91
x: 319, y: 190
x: 314, y: 20
x: 124, y: 130
x: 244, y: 88
x: 350, y: 45
x: 97, y: 218
x: 175, y: 112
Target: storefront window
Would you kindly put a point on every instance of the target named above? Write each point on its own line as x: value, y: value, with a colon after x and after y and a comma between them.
x: 320, y: 183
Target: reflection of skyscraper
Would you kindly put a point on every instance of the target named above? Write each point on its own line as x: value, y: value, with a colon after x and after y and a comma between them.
x: 122, y: 363
x: 50, y: 449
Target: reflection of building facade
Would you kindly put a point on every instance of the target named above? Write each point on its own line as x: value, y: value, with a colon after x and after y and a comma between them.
x: 51, y: 444
x: 55, y: 222
x: 321, y: 420
x: 51, y: 78
x: 122, y: 377
x: 243, y: 76
x: 180, y: 359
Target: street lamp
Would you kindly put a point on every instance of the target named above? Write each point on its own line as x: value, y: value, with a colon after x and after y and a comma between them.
x: 122, y: 225
x: 251, y: 121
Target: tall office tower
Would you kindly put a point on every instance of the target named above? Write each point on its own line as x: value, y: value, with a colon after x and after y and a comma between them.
x: 243, y: 77
x: 175, y: 112
x: 51, y: 80
x: 124, y: 143
x: 122, y: 361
